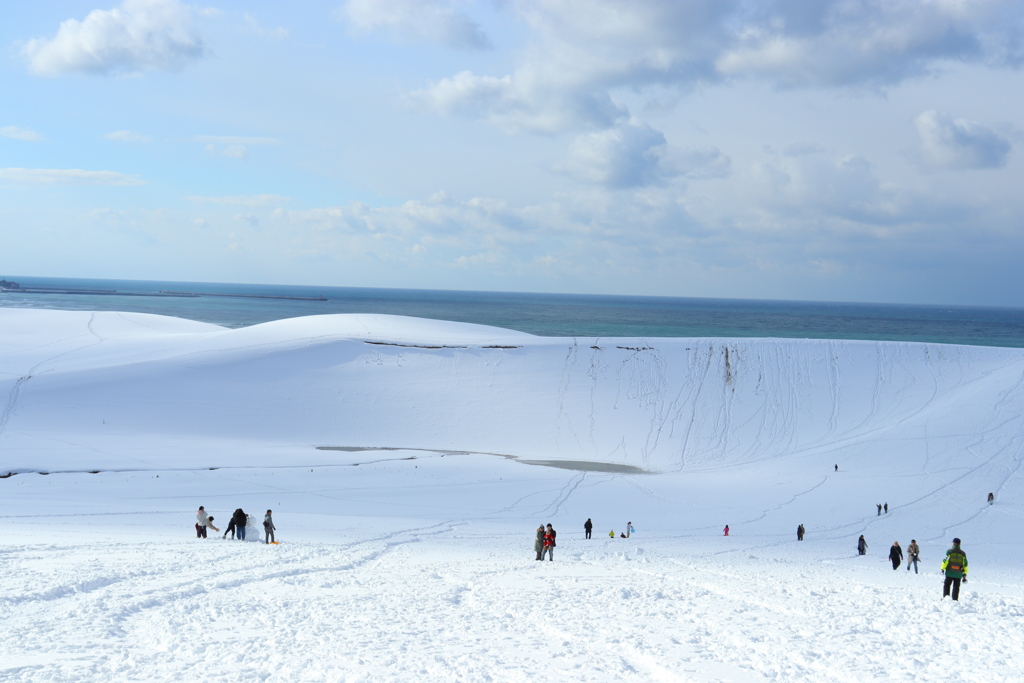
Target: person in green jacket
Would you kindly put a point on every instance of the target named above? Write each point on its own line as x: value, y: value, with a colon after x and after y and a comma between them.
x: 955, y: 566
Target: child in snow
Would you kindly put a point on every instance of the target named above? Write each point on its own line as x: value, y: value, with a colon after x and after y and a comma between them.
x: 269, y: 528
x: 611, y: 534
x: 209, y: 523
x: 991, y: 498
x: 629, y: 529
x: 726, y: 529
x: 862, y: 545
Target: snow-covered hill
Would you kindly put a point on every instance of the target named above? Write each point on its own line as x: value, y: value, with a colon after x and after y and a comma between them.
x: 376, y: 439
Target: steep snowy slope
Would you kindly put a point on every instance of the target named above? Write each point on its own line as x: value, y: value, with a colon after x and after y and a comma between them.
x: 381, y: 381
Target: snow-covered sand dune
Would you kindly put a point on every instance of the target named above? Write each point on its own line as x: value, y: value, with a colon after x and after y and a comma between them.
x: 407, y: 545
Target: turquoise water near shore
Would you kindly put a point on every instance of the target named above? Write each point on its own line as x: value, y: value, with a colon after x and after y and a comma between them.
x: 548, y: 314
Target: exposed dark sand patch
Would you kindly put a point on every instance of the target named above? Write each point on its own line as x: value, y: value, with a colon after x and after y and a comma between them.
x: 587, y: 466
x: 577, y: 465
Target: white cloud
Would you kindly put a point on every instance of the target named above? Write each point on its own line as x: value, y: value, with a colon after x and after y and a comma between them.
x: 236, y: 140
x: 249, y: 219
x: 128, y: 136
x: 434, y: 21
x: 279, y: 33
x: 244, y: 200
x: 233, y: 146
x: 580, y: 52
x: 137, y: 35
x: 19, y: 133
x: 634, y: 155
x: 71, y: 176
x: 959, y: 143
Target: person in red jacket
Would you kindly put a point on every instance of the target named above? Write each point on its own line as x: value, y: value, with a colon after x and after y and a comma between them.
x: 549, y: 544
x: 726, y: 529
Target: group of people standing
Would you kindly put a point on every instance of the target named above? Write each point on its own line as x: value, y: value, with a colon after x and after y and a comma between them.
x: 236, y: 525
x: 545, y: 542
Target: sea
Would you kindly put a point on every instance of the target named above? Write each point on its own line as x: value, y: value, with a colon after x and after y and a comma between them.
x: 559, y: 315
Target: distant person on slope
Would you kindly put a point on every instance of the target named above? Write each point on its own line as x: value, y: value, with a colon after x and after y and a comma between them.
x: 588, y: 526
x: 837, y: 467
x: 800, y: 533
x: 611, y: 534
x: 955, y: 566
x: 913, y: 554
x: 896, y: 555
x: 991, y: 498
x: 879, y: 509
x: 886, y: 506
x: 238, y: 519
x: 629, y: 529
x: 201, y: 518
x: 726, y: 530
x: 269, y: 528
x: 862, y: 545
x: 538, y: 544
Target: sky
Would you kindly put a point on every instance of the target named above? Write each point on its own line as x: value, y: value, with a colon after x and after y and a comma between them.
x: 846, y: 150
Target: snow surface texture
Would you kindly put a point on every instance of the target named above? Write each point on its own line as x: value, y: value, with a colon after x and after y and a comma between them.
x: 406, y: 550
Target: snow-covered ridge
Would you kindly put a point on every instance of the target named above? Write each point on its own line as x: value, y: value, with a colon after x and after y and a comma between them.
x: 388, y: 381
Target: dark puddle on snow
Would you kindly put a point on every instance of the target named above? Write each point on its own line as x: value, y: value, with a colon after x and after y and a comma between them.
x: 577, y: 465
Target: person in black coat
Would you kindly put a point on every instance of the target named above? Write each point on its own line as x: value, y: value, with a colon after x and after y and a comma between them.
x: 800, y: 533
x: 896, y: 554
x: 588, y: 526
x: 862, y: 545
x: 239, y: 519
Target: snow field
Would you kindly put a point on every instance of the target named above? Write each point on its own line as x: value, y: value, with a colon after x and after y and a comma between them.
x: 407, y: 554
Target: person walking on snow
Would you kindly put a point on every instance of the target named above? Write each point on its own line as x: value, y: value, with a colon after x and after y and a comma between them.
x: 886, y: 506
x: 896, y: 555
x: 629, y: 529
x: 588, y: 526
x: 991, y: 498
x: 549, y: 544
x: 269, y: 528
x: 201, y: 518
x: 538, y: 543
x: 800, y: 533
x: 837, y: 468
x: 913, y: 554
x: 879, y: 509
x: 726, y: 530
x: 955, y: 566
x: 862, y: 545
